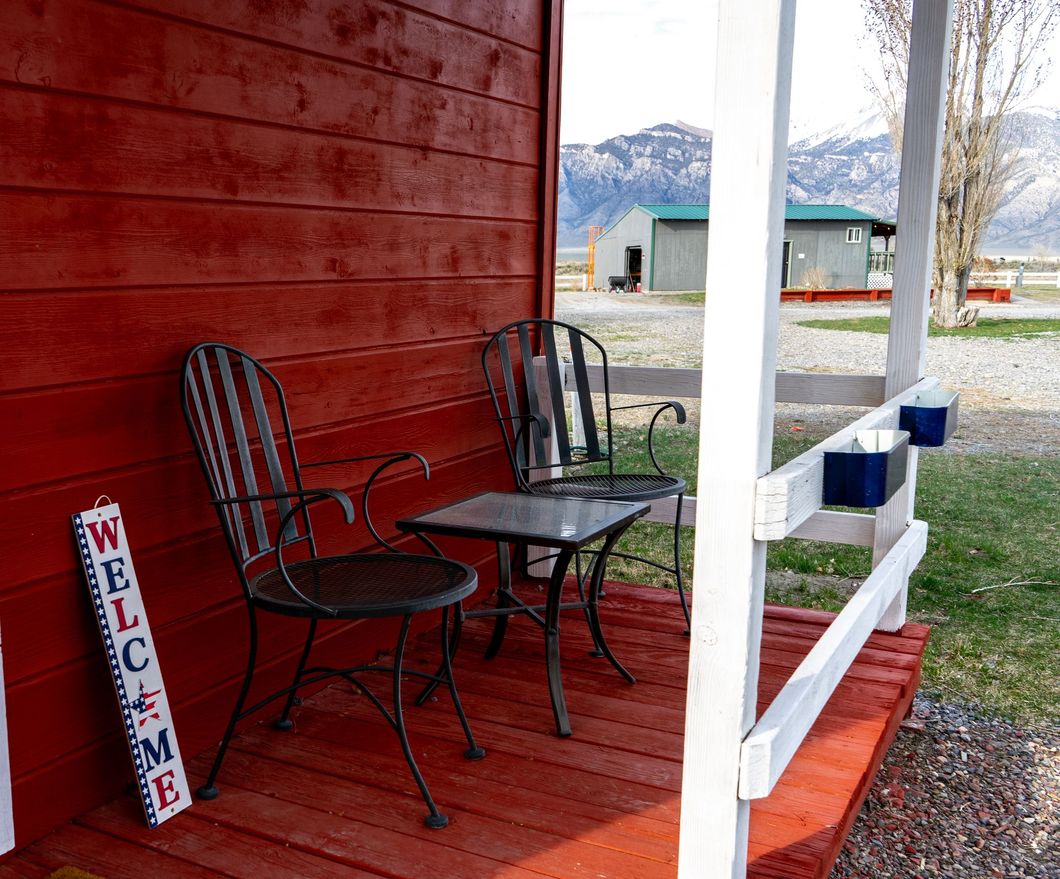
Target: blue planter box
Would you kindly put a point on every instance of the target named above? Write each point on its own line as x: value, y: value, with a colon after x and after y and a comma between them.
x: 931, y: 419
x: 868, y: 471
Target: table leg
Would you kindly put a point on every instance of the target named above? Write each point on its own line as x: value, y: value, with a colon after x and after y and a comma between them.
x: 555, y: 678
x: 594, y: 606
x: 504, y: 585
x: 581, y: 578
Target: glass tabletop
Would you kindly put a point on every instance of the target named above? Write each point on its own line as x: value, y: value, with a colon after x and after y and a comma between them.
x: 565, y: 523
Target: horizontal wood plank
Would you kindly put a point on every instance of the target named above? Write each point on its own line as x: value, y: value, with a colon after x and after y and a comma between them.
x: 64, y: 142
x: 831, y: 526
x: 516, y: 22
x: 338, y: 316
x: 176, y: 64
x: 371, y: 32
x: 78, y: 241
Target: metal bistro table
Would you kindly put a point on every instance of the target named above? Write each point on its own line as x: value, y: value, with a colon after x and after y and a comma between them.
x: 565, y: 524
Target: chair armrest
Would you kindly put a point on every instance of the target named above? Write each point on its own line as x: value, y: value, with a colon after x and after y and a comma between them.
x: 662, y: 406
x: 679, y: 410
x: 308, y: 496
x: 396, y: 456
x: 389, y: 459
x: 542, y: 423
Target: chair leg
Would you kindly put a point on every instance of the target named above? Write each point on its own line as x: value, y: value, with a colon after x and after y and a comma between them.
x: 284, y: 722
x: 209, y: 791
x: 473, y: 752
x: 449, y: 648
x: 677, y: 566
x: 435, y: 819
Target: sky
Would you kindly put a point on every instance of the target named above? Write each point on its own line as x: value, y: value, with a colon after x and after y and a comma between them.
x: 630, y: 64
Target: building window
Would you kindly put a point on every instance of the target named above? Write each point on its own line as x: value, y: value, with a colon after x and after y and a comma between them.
x: 853, y: 235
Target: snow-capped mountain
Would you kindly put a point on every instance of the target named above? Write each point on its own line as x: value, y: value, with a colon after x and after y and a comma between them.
x: 851, y: 164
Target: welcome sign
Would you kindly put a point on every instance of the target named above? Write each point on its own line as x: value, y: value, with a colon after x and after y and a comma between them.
x: 133, y: 663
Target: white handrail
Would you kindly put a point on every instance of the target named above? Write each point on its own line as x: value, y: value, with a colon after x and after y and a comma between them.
x: 791, y: 387
x: 773, y: 741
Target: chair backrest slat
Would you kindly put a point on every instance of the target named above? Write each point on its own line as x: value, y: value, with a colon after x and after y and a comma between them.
x: 268, y: 444
x: 223, y: 384
x: 517, y: 375
x: 507, y: 376
x: 246, y: 463
x: 585, y: 400
x: 235, y: 521
x: 555, y: 385
x: 526, y: 356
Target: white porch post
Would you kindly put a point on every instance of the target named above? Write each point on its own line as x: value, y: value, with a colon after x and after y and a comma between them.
x: 925, y: 105
x: 736, y: 434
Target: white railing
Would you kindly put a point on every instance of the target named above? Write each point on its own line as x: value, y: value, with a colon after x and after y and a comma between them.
x: 788, y: 504
x: 1011, y: 279
x: 788, y: 496
x: 572, y: 282
x: 774, y: 739
x: 664, y: 383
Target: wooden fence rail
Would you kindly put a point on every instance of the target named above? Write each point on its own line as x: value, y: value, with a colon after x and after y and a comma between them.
x: 775, y: 738
x: 1010, y: 279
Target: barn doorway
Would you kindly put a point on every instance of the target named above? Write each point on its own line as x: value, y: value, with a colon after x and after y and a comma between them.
x: 785, y: 271
x: 634, y: 258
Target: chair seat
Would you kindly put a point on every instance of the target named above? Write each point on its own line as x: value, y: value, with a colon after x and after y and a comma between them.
x: 366, y: 585
x: 611, y: 486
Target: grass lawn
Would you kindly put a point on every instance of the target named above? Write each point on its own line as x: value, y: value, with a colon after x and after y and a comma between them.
x: 1045, y: 293
x: 690, y: 298
x: 986, y: 326
x: 992, y: 521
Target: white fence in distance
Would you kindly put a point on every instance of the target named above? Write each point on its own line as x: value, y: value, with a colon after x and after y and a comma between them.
x: 1012, y: 279
x: 572, y: 282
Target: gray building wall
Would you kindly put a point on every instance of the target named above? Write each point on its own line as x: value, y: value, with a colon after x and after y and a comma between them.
x: 632, y: 230
x: 679, y: 257
x: 823, y: 243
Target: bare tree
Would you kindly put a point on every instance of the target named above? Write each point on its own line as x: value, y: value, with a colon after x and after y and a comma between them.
x: 995, y: 60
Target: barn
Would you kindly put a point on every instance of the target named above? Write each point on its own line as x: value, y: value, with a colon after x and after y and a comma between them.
x: 664, y: 246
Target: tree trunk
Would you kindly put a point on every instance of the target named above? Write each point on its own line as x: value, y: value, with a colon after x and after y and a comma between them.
x: 946, y: 304
x: 950, y: 310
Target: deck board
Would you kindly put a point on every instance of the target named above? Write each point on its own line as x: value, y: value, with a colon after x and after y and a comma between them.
x: 334, y: 797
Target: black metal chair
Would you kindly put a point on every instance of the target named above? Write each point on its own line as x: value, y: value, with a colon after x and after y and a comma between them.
x: 518, y: 391
x: 227, y: 397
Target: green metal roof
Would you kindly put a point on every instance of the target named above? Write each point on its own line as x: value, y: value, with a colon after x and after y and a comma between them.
x: 677, y: 211
x: 791, y: 212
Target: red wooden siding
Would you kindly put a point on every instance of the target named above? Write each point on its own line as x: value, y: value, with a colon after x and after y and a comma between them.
x: 351, y: 191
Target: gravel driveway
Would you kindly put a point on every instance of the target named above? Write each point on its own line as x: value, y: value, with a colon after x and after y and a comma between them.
x: 960, y: 794
x: 1010, y: 388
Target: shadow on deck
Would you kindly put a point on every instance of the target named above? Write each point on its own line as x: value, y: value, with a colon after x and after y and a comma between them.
x: 334, y: 797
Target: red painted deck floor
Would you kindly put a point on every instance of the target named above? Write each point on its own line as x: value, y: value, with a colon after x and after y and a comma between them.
x: 334, y: 797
